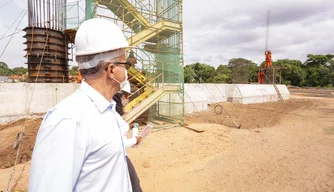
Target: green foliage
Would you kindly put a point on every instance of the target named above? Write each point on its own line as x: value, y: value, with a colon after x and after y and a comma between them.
x: 293, y: 72
x: 223, y: 75
x: 74, y: 70
x: 198, y: 73
x: 203, y: 73
x: 20, y: 71
x: 249, y: 74
x: 189, y: 74
x: 4, y: 70
x: 252, y: 72
x: 239, y: 60
x: 317, y: 71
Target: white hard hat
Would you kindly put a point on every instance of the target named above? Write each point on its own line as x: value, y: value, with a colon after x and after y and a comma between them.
x: 127, y: 88
x: 98, y: 35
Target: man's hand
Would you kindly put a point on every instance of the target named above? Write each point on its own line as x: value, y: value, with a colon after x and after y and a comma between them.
x: 138, y: 140
x: 131, y: 126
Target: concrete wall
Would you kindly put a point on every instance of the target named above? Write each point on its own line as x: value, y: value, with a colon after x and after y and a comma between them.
x: 194, y: 98
x: 255, y: 94
x: 15, y: 98
x: 236, y: 93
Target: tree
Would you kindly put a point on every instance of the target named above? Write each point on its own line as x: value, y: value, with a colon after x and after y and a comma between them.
x: 199, y: 73
x: 244, y: 69
x: 4, y: 70
x: 20, y: 71
x: 293, y: 71
x: 189, y: 74
x: 319, y: 70
x: 223, y: 75
x: 252, y: 72
x: 74, y: 70
x: 234, y: 61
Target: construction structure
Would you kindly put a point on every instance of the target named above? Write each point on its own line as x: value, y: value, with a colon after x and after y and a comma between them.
x: 47, y: 52
x: 270, y: 74
x: 240, y: 72
x: 154, y: 27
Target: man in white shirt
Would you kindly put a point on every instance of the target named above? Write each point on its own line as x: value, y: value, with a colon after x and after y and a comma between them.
x: 121, y: 100
x: 79, y: 146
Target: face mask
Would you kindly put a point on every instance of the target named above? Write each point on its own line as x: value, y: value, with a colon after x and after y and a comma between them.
x: 125, y: 102
x: 122, y: 84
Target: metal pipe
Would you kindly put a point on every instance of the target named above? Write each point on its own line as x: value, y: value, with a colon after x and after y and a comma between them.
x: 36, y: 11
x: 28, y: 1
x: 44, y: 14
x: 56, y: 14
x: 53, y: 14
x: 35, y: 14
x: 40, y: 11
x: 48, y: 21
x: 32, y: 12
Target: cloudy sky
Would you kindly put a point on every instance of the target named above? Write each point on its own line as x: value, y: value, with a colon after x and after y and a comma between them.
x: 218, y: 30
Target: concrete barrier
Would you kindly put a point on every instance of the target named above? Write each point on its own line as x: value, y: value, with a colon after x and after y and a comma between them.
x: 195, y: 99
x: 256, y: 93
x: 284, y: 91
x: 15, y: 98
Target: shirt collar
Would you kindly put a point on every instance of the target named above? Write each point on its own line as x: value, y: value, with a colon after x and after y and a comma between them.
x: 99, y: 101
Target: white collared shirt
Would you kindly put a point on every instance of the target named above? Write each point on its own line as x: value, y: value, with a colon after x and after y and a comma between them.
x: 125, y: 128
x: 79, y: 147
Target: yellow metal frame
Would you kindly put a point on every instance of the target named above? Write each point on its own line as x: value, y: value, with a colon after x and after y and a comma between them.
x: 155, y: 28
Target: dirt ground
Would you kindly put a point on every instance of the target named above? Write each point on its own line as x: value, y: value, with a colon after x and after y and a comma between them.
x: 280, y: 147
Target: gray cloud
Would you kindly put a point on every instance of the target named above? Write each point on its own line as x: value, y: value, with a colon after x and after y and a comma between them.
x: 220, y: 57
x: 216, y: 31
x: 208, y: 59
x: 238, y: 29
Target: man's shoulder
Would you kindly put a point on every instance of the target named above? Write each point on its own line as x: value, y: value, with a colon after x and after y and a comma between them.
x: 72, y: 106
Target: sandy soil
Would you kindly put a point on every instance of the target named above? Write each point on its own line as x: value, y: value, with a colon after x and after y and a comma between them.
x: 8, y: 136
x: 281, y: 147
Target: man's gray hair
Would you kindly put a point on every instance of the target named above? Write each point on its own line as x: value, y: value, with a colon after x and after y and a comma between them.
x: 96, y: 71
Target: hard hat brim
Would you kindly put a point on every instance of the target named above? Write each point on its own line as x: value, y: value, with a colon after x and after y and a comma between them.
x: 97, y: 52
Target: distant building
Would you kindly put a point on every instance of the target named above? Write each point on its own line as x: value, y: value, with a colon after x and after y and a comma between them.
x: 15, y: 78
x: 3, y: 79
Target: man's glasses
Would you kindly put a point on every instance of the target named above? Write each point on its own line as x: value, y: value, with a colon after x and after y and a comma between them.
x: 119, y: 63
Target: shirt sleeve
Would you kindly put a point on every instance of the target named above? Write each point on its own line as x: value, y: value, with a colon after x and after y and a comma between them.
x: 129, y: 142
x: 58, y: 156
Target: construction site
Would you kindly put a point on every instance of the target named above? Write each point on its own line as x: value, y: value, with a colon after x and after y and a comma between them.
x: 243, y: 136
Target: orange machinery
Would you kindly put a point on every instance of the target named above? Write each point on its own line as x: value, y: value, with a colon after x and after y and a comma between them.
x: 268, y: 63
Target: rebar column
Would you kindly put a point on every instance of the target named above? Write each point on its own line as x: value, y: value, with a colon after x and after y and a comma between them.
x: 47, y: 52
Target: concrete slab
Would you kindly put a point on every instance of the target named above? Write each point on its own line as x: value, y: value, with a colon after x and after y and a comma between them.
x: 284, y: 91
x: 15, y: 98
x: 21, y: 99
x: 257, y: 93
x: 195, y: 98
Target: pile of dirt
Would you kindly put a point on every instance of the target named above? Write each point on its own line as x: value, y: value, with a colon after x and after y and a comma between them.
x: 8, y: 136
x: 251, y: 115
x: 312, y: 92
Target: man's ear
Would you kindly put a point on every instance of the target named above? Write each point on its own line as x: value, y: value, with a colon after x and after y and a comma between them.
x: 110, y: 72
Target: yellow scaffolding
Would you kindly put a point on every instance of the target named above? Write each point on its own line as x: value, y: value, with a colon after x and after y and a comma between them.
x: 155, y: 28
